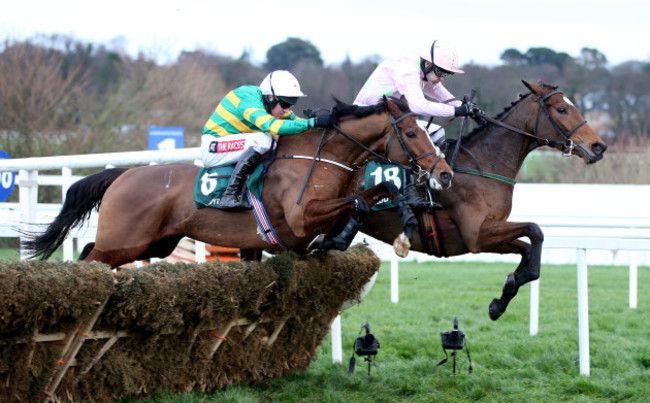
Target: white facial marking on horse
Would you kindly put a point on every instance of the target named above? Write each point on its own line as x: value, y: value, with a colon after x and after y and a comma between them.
x: 434, y: 184
x: 568, y: 101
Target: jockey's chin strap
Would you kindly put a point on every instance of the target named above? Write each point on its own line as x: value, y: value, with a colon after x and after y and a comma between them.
x: 566, y: 144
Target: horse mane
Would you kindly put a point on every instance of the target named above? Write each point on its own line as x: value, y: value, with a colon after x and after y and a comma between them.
x: 342, y: 109
x: 506, y: 110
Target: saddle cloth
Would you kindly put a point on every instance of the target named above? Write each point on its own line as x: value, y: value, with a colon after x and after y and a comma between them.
x: 212, y: 182
x: 377, y: 172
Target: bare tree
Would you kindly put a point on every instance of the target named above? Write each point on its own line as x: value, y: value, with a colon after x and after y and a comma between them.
x: 38, y: 103
x: 150, y: 95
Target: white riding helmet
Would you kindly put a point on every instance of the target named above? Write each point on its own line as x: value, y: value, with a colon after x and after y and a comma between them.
x: 283, y: 85
x: 446, y: 56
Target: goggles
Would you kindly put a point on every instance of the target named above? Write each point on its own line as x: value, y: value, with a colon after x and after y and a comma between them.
x: 284, y: 104
x: 441, y: 72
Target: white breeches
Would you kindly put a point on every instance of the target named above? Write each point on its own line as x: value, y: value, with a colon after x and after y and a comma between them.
x: 227, y: 150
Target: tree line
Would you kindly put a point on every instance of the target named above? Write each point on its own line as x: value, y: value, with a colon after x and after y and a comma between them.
x: 62, y: 96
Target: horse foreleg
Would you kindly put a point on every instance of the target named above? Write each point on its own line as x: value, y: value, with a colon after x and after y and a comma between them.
x: 503, y: 238
x: 401, y: 244
x: 321, y: 214
x: 318, y: 211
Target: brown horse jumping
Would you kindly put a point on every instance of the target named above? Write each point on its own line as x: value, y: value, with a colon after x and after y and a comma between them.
x: 474, y: 217
x: 145, y: 211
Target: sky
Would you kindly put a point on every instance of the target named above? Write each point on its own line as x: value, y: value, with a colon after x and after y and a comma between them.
x: 480, y: 29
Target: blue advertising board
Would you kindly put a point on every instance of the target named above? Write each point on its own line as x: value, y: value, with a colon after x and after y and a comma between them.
x: 7, y: 180
x: 166, y: 138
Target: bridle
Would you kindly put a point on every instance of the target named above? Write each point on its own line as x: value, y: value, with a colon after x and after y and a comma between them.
x: 412, y: 158
x: 413, y: 167
x: 566, y: 143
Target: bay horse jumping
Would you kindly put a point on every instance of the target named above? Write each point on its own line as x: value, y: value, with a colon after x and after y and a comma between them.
x: 474, y: 214
x: 145, y: 211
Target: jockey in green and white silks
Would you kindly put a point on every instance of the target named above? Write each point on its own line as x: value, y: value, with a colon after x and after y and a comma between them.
x: 241, y: 126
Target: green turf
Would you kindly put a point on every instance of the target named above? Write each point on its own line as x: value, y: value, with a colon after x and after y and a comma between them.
x: 509, y: 365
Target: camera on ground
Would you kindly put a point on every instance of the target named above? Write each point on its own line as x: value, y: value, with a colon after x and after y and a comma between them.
x: 453, y: 339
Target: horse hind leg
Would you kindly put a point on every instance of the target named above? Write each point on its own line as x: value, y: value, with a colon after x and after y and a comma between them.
x: 86, y: 251
x: 527, y: 271
x: 250, y: 255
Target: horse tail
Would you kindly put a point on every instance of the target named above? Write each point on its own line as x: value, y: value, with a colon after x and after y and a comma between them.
x: 82, y: 197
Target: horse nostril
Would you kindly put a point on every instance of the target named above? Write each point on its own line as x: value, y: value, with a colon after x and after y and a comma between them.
x: 598, y: 148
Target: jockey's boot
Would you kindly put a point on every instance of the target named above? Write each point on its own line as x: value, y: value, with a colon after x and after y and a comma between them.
x: 232, y: 200
x: 417, y: 202
x: 340, y: 242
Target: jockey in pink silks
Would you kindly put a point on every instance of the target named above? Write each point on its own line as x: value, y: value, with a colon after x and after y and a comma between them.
x: 416, y: 77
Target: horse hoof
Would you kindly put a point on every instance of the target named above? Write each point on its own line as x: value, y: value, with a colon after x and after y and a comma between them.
x: 495, y: 310
x: 401, y: 245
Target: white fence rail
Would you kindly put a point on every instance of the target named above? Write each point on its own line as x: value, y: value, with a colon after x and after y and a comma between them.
x: 583, y: 224
x: 28, y: 182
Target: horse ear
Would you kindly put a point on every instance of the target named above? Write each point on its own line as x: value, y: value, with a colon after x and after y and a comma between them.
x: 392, y: 107
x: 532, y: 87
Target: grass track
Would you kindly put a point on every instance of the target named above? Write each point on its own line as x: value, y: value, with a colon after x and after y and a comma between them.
x: 509, y: 365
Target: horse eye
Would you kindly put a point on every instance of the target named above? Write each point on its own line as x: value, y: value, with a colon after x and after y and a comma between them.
x: 562, y: 110
x: 411, y: 134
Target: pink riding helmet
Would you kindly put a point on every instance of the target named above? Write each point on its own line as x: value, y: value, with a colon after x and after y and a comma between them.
x: 446, y: 56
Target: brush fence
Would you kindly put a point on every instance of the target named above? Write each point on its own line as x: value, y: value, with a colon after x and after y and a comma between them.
x: 79, y: 331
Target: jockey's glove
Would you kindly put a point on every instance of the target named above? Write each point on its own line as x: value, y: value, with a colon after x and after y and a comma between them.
x: 326, y: 120
x: 468, y: 109
x: 462, y: 110
x: 475, y: 111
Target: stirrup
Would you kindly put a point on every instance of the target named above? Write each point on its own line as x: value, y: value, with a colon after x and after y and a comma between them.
x: 233, y: 203
x: 322, y: 242
x: 422, y: 204
x: 317, y: 243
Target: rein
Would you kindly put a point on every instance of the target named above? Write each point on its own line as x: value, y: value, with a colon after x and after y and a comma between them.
x: 567, y: 144
x: 396, y: 131
x: 317, y: 159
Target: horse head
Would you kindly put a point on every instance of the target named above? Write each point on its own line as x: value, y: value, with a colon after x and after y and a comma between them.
x: 560, y: 125
x: 391, y: 132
